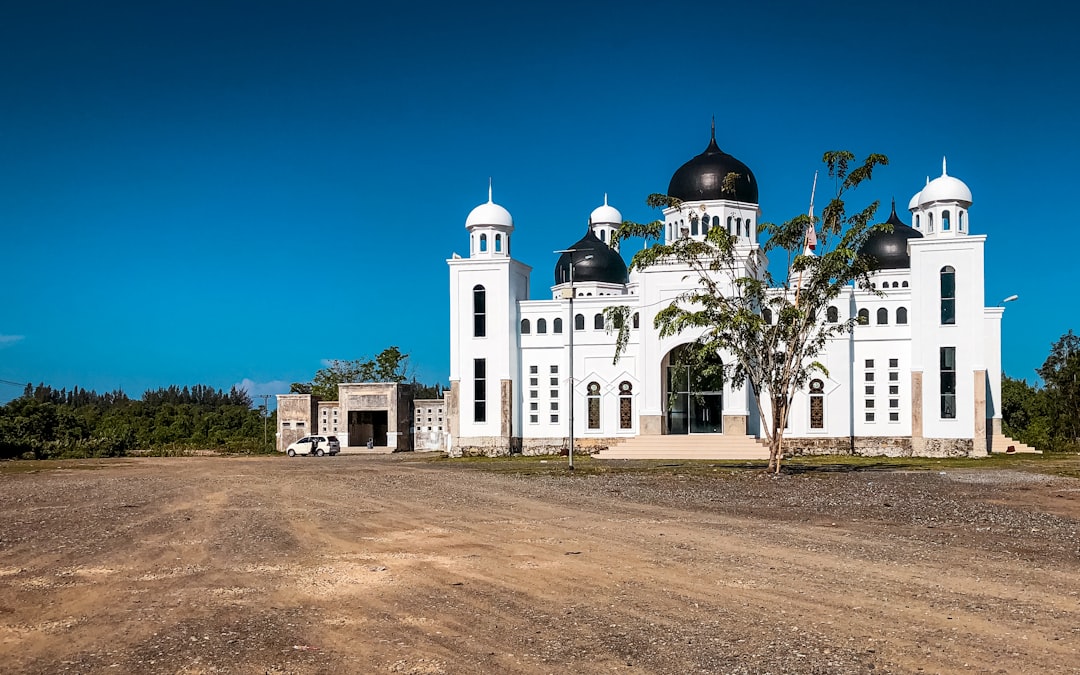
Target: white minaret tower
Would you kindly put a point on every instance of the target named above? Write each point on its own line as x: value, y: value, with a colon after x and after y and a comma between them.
x: 485, y: 349
x: 604, y: 221
x: 941, y: 208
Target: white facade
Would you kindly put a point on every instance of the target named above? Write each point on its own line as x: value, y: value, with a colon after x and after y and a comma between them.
x: 921, y: 374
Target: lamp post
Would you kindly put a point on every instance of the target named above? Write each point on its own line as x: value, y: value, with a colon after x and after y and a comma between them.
x: 569, y: 294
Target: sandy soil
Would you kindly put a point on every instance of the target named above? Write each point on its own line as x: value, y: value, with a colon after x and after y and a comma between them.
x: 394, y: 565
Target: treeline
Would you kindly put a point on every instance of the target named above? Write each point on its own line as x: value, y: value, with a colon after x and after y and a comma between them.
x: 1047, y: 416
x: 57, y: 423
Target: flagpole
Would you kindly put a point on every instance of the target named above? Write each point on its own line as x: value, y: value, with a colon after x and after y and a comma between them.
x: 806, y: 237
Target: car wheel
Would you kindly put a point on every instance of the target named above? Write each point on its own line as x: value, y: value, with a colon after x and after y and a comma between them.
x: 319, y: 452
x: 291, y: 453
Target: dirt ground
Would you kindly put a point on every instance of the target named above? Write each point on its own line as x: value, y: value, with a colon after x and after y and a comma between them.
x: 401, y: 565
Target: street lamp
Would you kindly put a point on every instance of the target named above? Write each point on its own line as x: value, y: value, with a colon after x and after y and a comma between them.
x: 569, y: 294
x: 1010, y: 299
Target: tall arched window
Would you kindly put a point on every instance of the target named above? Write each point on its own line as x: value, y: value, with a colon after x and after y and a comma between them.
x: 748, y: 222
x: 593, y: 402
x: 729, y: 230
x: 636, y: 320
x: 498, y: 243
x: 694, y: 225
x: 704, y: 223
x: 541, y: 325
x: 948, y: 295
x: 556, y: 326
x: 579, y: 322
x: 716, y: 221
x: 479, y: 303
x: 945, y: 221
x: 817, y: 404
x: 598, y: 321
x: 930, y: 222
x: 961, y: 221
x: 918, y: 224
x: 766, y: 314
x: 670, y: 232
x: 603, y: 235
x: 626, y: 405
x: 525, y: 328
x: 864, y: 317
x: 882, y: 316
x: 832, y: 315
x: 483, y: 243
x: 901, y: 315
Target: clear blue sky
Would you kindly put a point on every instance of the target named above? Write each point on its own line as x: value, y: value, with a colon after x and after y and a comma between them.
x: 231, y: 192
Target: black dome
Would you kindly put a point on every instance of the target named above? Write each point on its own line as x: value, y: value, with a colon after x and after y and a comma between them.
x: 703, y: 177
x: 889, y: 249
x: 605, y: 265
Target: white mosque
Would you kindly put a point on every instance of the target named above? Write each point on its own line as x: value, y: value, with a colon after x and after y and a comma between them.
x: 920, y: 374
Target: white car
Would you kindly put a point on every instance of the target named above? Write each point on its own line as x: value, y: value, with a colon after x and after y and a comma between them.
x: 314, y: 445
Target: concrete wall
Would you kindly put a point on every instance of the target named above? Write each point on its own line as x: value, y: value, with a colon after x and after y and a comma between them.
x: 296, y: 415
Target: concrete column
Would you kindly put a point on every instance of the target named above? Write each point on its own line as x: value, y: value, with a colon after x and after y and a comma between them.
x: 918, y: 443
x: 506, y: 408
x: 735, y: 425
x: 979, y: 441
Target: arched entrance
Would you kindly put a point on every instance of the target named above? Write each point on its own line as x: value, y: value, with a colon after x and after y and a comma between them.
x: 694, y: 395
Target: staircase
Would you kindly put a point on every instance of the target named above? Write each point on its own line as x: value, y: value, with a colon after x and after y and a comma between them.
x: 691, y: 446
x: 998, y: 444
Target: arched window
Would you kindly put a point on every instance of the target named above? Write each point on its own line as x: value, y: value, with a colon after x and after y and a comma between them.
x: 498, y: 243
x: 704, y: 223
x: 832, y: 315
x: 895, y: 284
x: 694, y: 225
x: 766, y: 314
x: 635, y: 320
x: 904, y: 284
x: 598, y: 321
x: 626, y: 405
x: 525, y: 328
x: 729, y: 230
x: 961, y: 223
x: 882, y: 316
x: 738, y: 226
x: 918, y: 225
x: 541, y: 325
x: 901, y: 315
x: 716, y: 221
x: 864, y: 317
x: 948, y: 295
x: 945, y: 221
x: 579, y: 322
x: 479, y: 303
x: 592, y: 398
x: 930, y: 222
x: 748, y: 222
x: 483, y: 243
x: 556, y: 326
x: 670, y: 232
x: 817, y: 404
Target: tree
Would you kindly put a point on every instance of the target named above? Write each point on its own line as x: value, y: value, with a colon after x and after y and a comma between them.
x: 390, y: 365
x: 766, y: 330
x: 1061, y: 375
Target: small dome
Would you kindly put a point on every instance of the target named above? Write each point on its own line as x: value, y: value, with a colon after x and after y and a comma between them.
x: 914, y: 203
x: 703, y: 177
x: 945, y: 188
x: 607, y: 215
x: 489, y: 213
x: 889, y: 249
x: 593, y: 261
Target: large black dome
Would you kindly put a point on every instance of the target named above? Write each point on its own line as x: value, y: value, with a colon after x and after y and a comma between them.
x: 703, y: 177
x: 889, y: 249
x: 605, y: 265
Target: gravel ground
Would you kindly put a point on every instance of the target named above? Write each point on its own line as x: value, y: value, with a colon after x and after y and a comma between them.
x: 393, y: 565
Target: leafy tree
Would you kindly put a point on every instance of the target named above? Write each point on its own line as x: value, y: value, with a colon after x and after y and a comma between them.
x: 766, y: 329
x: 390, y: 365
x: 1061, y: 375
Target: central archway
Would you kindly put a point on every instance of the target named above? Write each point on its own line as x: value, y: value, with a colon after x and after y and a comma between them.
x: 693, y: 394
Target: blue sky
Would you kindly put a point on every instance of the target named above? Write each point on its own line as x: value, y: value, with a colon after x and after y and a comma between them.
x: 232, y: 192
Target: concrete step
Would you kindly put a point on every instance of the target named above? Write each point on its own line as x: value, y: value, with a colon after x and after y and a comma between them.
x: 1003, y: 444
x: 691, y: 446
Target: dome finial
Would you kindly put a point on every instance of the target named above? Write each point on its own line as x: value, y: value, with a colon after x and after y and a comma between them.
x: 489, y: 191
x: 712, y: 132
x: 943, y: 171
x: 893, y: 208
x: 605, y: 199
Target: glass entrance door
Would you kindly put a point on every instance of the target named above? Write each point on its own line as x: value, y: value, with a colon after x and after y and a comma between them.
x: 695, y: 402
x: 706, y: 413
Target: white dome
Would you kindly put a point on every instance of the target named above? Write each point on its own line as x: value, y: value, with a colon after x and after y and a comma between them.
x: 607, y: 215
x: 489, y: 214
x: 945, y: 188
x: 914, y: 203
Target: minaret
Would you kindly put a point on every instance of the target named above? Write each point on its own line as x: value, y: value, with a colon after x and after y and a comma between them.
x: 941, y: 208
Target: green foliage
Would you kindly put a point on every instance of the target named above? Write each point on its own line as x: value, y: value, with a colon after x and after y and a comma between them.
x: 1047, y: 417
x: 50, y: 423
x: 768, y: 329
x: 390, y: 365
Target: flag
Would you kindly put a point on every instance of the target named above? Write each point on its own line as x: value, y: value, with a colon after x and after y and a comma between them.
x: 811, y: 236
